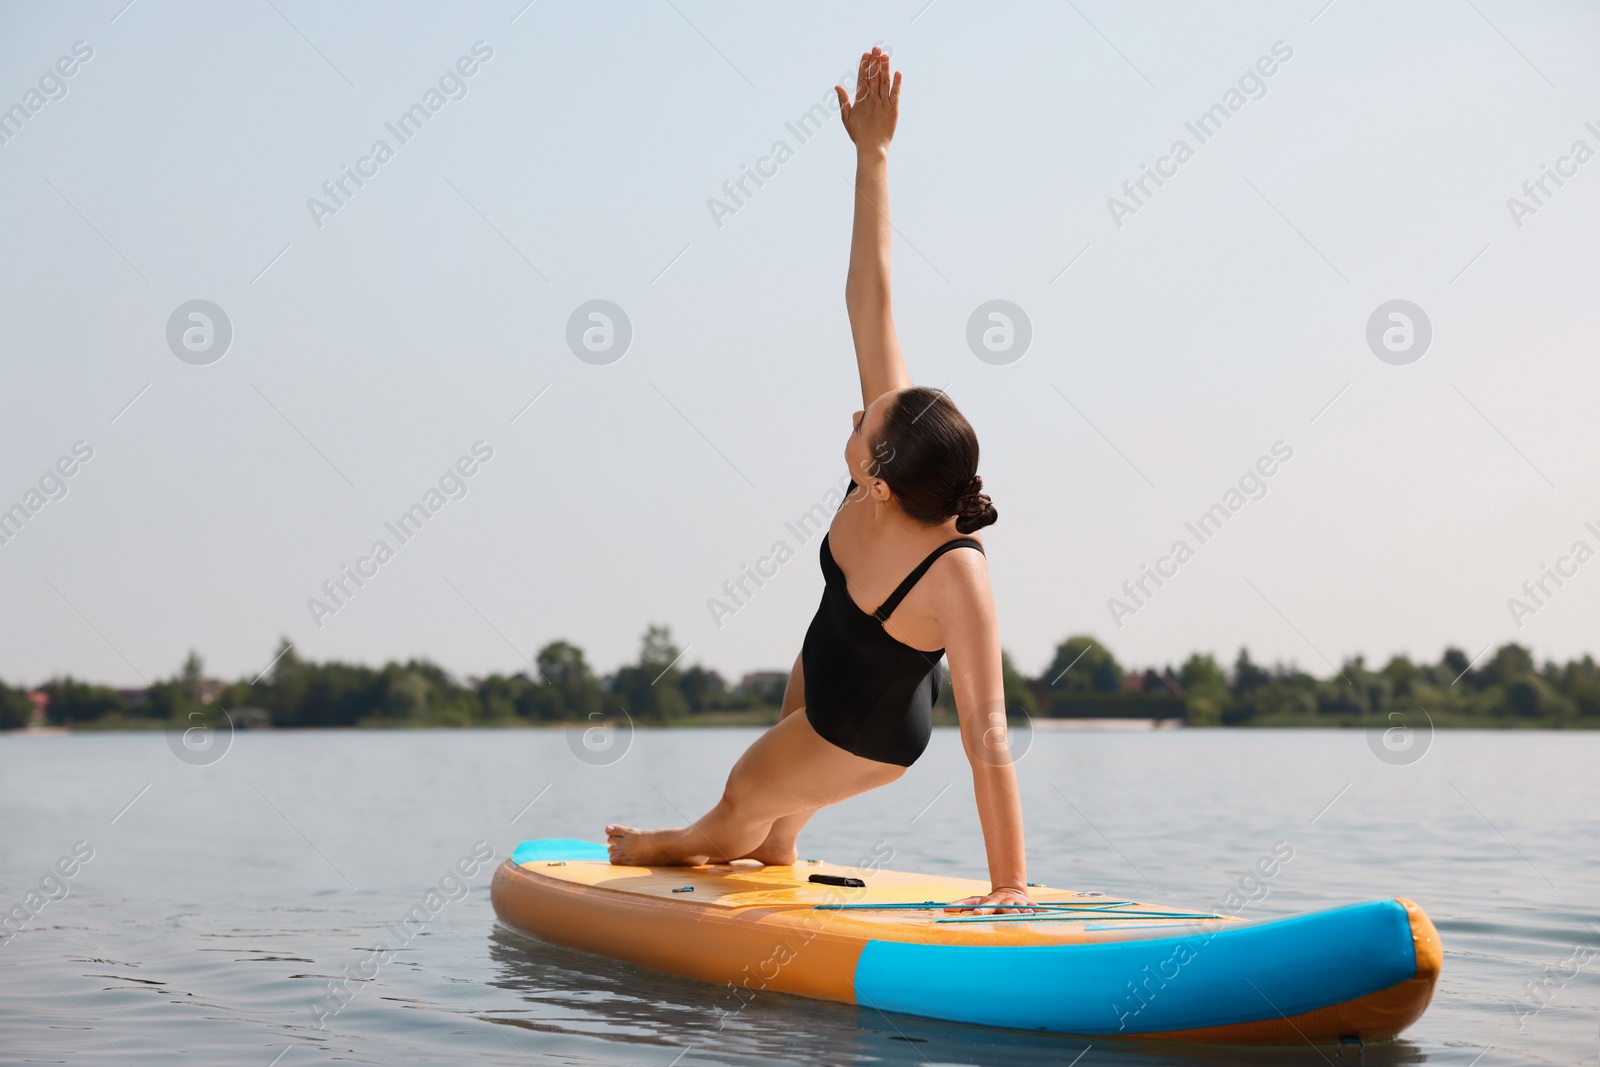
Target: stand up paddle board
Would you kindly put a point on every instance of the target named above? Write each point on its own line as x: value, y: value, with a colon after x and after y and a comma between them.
x: 1090, y: 964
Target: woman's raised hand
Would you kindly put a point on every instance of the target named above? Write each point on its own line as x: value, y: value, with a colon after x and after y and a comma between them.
x: 870, y: 120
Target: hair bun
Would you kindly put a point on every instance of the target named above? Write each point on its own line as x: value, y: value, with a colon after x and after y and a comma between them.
x: 974, y: 510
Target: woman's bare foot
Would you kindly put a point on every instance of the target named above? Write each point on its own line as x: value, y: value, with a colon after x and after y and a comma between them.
x: 778, y: 850
x: 774, y: 857
x: 653, y: 848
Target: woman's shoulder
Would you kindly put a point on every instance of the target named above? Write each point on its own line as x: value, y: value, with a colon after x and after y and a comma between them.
x: 959, y: 593
x: 974, y: 560
x: 962, y: 567
x: 951, y: 576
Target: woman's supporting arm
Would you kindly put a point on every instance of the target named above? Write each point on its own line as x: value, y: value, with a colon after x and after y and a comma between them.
x: 972, y: 643
x: 870, y: 122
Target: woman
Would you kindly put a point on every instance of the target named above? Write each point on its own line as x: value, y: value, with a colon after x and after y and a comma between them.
x: 872, y: 675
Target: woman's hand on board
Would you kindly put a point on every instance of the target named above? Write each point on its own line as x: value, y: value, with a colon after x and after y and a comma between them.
x: 1017, y: 902
x: 871, y: 118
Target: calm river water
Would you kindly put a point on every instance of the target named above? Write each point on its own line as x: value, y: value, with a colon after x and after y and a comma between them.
x: 220, y: 898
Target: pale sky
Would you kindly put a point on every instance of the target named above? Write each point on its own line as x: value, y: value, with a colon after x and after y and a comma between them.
x: 373, y: 345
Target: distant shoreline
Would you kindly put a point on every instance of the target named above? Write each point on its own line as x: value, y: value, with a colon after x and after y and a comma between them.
x: 1082, y: 684
x: 941, y: 720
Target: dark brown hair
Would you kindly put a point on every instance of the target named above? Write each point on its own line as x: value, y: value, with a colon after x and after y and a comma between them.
x: 933, y: 460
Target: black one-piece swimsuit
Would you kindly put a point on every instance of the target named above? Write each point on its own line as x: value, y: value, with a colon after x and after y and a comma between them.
x: 866, y: 692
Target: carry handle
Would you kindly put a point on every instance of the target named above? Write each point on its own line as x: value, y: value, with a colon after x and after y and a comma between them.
x: 835, y: 879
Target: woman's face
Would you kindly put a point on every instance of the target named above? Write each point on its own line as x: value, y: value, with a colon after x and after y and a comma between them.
x: 864, y: 464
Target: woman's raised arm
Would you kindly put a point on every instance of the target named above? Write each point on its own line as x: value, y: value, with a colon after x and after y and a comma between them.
x: 870, y: 122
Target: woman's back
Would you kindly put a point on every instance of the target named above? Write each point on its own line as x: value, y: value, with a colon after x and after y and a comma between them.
x: 876, y: 557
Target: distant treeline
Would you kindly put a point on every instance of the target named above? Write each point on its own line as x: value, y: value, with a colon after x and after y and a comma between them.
x: 1083, y: 680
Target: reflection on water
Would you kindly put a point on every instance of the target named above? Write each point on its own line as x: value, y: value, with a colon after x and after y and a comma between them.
x: 222, y: 899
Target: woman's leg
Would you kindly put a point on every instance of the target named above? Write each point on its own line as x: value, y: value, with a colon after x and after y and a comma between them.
x: 780, y: 846
x: 785, y: 775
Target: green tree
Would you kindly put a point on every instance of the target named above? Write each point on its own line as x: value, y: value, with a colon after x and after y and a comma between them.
x: 499, y: 695
x: 570, y: 689
x: 179, y: 699
x: 657, y: 650
x: 407, y: 696
x: 649, y: 689
x: 1454, y: 664
x: 1274, y: 700
x: 1402, y: 674
x: 417, y: 692
x: 1579, y: 682
x: 1207, y: 698
x: 193, y: 677
x: 1525, y: 698
x: 1371, y: 692
x: 283, y: 691
x: 1511, y: 663
x: 1082, y: 665
x: 702, y: 688
x: 16, y: 710
x: 77, y: 702
x: 1246, y: 675
x: 170, y: 700
x: 321, y: 694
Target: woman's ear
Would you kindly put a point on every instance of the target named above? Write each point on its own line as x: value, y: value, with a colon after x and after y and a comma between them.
x: 880, y: 491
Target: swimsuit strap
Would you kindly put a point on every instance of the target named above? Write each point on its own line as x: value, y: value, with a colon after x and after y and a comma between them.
x: 887, y: 607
